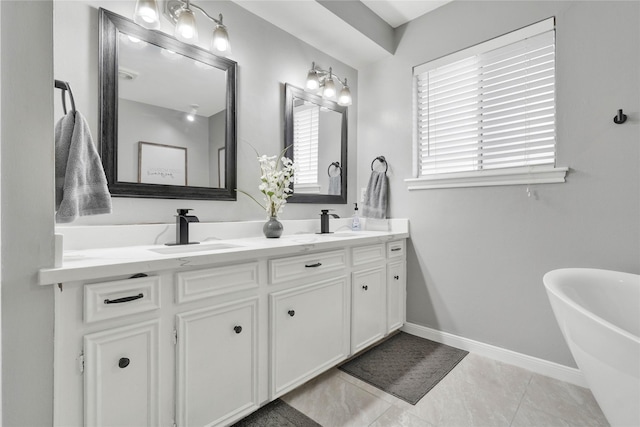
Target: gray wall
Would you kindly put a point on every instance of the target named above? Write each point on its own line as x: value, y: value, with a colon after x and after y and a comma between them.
x: 27, y: 203
x: 267, y: 58
x: 477, y: 255
x: 28, y: 110
x: 150, y: 123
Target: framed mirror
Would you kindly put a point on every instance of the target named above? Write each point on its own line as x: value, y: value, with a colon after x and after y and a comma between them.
x: 315, y: 134
x: 167, y: 115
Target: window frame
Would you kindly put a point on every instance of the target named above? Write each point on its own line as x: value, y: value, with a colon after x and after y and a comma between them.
x: 521, y: 175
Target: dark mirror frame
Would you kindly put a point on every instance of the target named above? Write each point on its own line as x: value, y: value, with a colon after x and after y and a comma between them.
x: 110, y: 25
x: 292, y: 92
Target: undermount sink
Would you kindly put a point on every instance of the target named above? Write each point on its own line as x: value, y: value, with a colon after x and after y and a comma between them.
x: 201, y: 247
x: 343, y: 234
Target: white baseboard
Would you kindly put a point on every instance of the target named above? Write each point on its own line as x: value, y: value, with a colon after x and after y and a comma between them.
x: 539, y: 366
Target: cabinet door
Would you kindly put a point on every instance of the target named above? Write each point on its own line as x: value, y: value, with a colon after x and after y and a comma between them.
x: 368, y: 307
x: 396, y: 291
x: 217, y: 363
x: 310, y: 332
x: 121, y: 376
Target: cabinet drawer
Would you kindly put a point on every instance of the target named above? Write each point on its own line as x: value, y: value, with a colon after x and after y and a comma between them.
x: 367, y: 254
x: 285, y: 269
x: 396, y: 249
x: 212, y: 282
x: 121, y: 298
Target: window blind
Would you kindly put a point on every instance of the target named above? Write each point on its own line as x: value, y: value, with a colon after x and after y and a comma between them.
x: 305, y: 145
x: 491, y: 110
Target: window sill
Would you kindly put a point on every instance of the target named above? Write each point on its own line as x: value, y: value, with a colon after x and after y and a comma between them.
x: 489, y: 178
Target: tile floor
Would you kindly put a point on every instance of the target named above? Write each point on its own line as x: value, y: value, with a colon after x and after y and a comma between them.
x: 477, y: 392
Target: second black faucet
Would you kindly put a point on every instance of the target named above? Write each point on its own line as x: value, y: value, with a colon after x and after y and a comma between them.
x: 324, y: 221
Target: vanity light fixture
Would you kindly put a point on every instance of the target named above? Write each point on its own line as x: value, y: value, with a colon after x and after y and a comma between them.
x: 146, y: 14
x: 180, y: 12
x: 317, y: 78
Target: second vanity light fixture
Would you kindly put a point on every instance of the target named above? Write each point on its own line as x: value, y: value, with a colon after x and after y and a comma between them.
x: 181, y: 14
x: 317, y: 78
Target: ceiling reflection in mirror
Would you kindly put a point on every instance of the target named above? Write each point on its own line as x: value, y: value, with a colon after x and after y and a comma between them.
x: 171, y: 100
x: 168, y: 115
x: 316, y: 140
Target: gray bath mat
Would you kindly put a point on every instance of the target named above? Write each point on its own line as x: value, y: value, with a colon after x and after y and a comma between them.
x: 405, y: 366
x: 277, y: 414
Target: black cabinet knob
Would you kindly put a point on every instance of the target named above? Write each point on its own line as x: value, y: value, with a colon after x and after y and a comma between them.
x: 365, y: 287
x: 291, y: 313
x: 396, y: 277
x: 238, y: 329
x: 123, y: 362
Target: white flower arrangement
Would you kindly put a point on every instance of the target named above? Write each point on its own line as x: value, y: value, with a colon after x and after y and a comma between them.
x: 276, y: 177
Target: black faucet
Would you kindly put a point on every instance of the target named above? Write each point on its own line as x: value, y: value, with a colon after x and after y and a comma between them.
x: 324, y: 221
x: 182, y: 227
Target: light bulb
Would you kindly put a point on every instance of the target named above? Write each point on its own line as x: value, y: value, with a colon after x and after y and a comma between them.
x: 186, y: 29
x: 312, y: 80
x: 220, y: 40
x: 191, y: 117
x: 329, y: 89
x: 146, y: 14
x: 345, y: 96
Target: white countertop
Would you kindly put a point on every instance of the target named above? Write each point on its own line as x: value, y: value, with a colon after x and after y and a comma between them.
x: 102, y: 262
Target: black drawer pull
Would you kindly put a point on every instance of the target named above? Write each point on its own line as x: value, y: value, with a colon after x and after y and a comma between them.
x: 238, y: 329
x: 365, y: 287
x: 395, y: 249
x: 317, y: 264
x: 291, y: 313
x: 123, y: 362
x: 396, y: 277
x: 125, y: 299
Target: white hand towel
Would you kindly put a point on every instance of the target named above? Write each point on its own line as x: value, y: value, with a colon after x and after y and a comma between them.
x: 335, y: 185
x: 375, y: 199
x: 81, y: 186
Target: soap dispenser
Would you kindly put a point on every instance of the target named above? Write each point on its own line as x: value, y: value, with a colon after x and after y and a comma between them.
x: 355, y: 222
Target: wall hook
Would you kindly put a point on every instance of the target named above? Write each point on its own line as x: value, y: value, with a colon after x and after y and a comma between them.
x: 620, y: 118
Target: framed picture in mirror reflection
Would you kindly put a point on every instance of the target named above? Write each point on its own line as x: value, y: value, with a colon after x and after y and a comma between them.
x: 162, y: 164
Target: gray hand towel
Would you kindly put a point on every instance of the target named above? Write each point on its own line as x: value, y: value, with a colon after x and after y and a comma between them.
x: 375, y: 199
x: 81, y: 186
x: 335, y: 185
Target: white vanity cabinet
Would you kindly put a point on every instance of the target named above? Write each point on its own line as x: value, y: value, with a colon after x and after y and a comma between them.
x: 122, y: 376
x: 107, y: 353
x: 205, y: 341
x: 396, y: 285
x: 309, y: 317
x: 217, y: 352
x: 368, y: 292
x: 378, y: 287
x: 217, y: 356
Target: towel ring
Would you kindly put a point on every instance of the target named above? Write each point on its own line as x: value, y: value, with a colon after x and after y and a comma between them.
x: 381, y: 159
x: 59, y: 84
x: 337, y: 166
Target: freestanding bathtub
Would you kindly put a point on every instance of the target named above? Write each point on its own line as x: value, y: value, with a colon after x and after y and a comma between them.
x: 599, y: 314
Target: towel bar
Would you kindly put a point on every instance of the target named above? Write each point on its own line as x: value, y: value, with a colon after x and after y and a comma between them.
x: 59, y: 84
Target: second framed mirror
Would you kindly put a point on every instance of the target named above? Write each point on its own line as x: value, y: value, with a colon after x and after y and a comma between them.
x: 315, y: 135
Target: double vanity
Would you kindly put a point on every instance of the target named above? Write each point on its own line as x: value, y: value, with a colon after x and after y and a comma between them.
x: 195, y: 335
